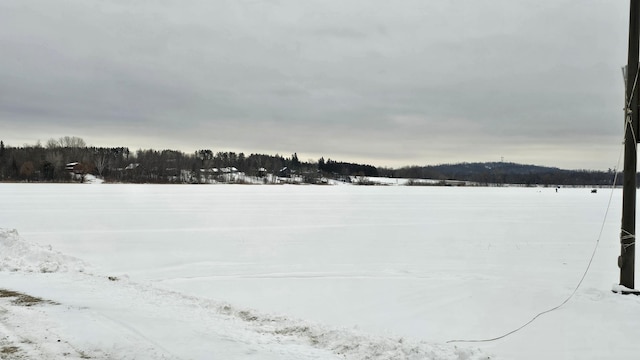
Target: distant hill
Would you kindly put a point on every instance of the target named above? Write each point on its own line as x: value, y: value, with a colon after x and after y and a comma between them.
x: 508, y: 173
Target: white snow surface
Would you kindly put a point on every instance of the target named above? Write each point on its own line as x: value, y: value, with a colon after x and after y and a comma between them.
x: 107, y: 317
x: 309, y: 272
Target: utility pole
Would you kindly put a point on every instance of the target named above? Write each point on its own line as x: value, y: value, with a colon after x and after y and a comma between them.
x: 626, y: 261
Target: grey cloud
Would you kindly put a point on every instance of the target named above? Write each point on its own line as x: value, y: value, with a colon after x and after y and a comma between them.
x: 374, y: 80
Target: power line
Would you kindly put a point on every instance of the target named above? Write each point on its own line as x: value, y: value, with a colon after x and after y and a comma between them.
x: 584, y: 275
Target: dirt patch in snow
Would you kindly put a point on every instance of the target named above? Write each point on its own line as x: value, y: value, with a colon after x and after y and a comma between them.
x: 9, y: 350
x: 21, y: 299
x: 11, y: 353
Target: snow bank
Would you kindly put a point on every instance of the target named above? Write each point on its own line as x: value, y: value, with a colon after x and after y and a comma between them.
x: 282, y: 331
x: 350, y: 344
x: 17, y: 254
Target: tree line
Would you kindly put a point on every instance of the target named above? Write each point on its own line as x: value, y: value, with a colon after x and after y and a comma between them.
x: 70, y: 159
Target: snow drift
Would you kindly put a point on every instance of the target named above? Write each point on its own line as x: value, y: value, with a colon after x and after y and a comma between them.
x: 17, y: 254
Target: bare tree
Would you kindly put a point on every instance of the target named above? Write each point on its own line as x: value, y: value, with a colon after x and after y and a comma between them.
x: 52, y: 144
x: 55, y: 158
x: 72, y: 142
x: 84, y: 169
x: 101, y: 162
x: 27, y: 169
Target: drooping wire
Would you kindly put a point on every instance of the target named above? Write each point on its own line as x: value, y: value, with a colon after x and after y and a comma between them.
x: 628, y: 123
x: 584, y: 275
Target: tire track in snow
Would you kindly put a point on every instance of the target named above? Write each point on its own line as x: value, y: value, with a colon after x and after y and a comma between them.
x: 123, y: 327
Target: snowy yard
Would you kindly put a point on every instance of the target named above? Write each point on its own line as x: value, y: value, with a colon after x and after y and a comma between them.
x: 309, y: 272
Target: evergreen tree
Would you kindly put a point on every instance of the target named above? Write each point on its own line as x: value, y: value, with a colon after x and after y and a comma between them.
x: 295, y: 163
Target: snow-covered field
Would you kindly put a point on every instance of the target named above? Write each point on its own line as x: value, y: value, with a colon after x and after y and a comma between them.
x: 309, y: 272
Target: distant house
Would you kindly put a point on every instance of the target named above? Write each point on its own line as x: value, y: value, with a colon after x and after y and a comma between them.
x: 284, y: 172
x: 229, y: 170
x: 262, y: 172
x: 74, y: 167
x: 70, y: 166
x: 228, y: 174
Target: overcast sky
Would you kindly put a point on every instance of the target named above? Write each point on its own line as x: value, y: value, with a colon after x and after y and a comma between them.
x: 389, y: 83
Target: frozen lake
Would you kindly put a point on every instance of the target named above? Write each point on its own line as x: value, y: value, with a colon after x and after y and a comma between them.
x: 431, y: 263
